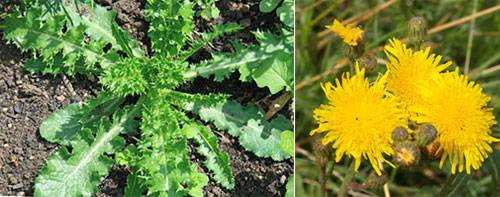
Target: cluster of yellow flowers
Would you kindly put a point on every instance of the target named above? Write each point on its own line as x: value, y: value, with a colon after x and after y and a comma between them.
x: 361, y: 115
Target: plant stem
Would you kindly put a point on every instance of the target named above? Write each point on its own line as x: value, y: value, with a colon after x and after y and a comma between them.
x: 469, y: 41
x: 325, y: 173
x: 347, y: 179
x: 321, y: 158
x: 330, y: 169
x: 322, y: 180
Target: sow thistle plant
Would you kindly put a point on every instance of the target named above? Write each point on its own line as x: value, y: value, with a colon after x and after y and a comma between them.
x: 417, y: 102
x: 140, y: 97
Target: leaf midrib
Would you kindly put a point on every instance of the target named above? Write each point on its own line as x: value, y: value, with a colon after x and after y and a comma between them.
x: 96, y: 147
x: 207, y: 70
x: 114, y: 131
x: 70, y: 43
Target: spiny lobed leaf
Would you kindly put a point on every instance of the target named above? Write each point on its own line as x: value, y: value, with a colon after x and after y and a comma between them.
x: 64, y: 124
x: 171, y: 23
x: 221, y: 65
x: 68, y: 43
x: 270, y: 64
x: 216, y: 161
x: 78, y: 173
x: 207, y: 37
x: 81, y: 177
x: 264, y: 138
x: 99, y: 21
x: 276, y: 72
x: 230, y: 116
x: 248, y: 123
x: 29, y: 33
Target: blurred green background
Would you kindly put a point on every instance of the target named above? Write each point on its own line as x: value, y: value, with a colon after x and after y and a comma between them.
x: 467, y: 32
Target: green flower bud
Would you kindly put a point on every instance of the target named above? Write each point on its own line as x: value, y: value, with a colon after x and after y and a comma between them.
x: 417, y: 31
x: 425, y: 134
x: 406, y: 154
x: 399, y: 134
x: 375, y: 182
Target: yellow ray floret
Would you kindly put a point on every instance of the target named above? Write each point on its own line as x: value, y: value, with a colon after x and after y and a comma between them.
x: 457, y: 108
x: 359, y: 118
x: 406, y: 68
x: 348, y: 33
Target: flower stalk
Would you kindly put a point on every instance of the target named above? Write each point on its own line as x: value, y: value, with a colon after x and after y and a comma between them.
x: 347, y: 180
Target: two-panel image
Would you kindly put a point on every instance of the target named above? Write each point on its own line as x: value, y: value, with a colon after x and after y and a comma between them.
x: 250, y: 98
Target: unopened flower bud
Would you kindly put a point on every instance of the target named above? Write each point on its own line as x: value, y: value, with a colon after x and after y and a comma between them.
x: 369, y: 62
x: 375, y: 182
x: 399, y: 134
x: 425, y: 134
x: 417, y: 31
x: 321, y: 152
x: 406, y: 154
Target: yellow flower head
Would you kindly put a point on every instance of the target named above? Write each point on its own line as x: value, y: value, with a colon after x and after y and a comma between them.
x: 406, y: 68
x: 348, y: 33
x: 359, y: 118
x: 456, y: 107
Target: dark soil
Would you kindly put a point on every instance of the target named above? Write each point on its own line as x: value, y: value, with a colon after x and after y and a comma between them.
x: 26, y: 100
